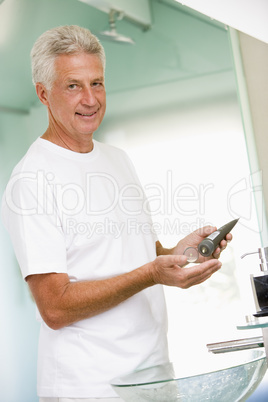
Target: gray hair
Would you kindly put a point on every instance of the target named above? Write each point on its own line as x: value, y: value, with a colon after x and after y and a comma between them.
x: 68, y: 39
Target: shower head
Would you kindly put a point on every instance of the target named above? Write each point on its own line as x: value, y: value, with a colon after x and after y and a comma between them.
x: 112, y: 35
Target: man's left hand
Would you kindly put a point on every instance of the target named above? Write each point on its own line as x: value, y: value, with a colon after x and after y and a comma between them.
x: 194, y: 238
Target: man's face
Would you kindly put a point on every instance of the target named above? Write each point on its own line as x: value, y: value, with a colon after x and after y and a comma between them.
x: 77, y: 100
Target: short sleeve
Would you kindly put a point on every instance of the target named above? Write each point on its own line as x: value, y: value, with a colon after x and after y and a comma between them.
x: 31, y: 218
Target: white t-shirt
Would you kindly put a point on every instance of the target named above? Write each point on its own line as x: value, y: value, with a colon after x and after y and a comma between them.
x: 86, y: 215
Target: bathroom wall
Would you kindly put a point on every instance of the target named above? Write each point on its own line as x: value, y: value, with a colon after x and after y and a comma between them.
x: 19, y: 335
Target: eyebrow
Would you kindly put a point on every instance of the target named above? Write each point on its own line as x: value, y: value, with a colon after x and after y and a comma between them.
x: 77, y: 81
x: 99, y: 79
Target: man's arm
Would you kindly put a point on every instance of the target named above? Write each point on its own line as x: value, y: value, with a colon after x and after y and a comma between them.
x: 62, y: 302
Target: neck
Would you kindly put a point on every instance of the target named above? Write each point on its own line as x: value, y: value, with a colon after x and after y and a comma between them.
x: 65, y: 141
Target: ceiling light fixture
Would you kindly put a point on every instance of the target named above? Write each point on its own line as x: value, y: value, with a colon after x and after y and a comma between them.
x: 112, y: 35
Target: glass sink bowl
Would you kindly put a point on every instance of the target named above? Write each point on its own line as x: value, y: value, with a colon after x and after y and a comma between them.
x: 228, y: 377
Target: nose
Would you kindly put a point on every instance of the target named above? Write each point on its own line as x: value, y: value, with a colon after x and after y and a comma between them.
x: 88, y: 96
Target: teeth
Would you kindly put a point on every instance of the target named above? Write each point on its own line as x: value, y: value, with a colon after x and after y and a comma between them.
x: 82, y: 114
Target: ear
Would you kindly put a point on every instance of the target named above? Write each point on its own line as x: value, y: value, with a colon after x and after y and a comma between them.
x: 42, y: 93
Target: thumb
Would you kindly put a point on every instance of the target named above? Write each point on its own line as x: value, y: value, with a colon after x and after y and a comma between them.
x: 180, y: 260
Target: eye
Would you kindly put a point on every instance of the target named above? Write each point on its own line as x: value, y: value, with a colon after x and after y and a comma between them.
x: 72, y: 86
x: 97, y: 84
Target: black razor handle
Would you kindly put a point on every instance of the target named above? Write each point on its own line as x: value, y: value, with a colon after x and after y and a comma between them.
x: 211, y: 242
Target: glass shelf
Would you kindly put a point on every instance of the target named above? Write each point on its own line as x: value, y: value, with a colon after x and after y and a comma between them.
x: 258, y: 323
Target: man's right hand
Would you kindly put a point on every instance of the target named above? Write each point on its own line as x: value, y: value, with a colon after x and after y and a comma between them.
x: 168, y: 270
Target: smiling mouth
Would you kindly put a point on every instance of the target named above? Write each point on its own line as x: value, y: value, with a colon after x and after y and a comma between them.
x: 86, y: 114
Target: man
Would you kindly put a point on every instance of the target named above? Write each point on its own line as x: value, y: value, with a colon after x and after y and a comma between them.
x: 70, y: 207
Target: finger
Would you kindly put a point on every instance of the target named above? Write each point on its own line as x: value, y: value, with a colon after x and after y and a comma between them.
x: 206, y: 230
x: 220, y: 248
x: 229, y: 237
x: 200, y: 279
x: 217, y: 253
x: 223, y: 244
x: 202, y: 272
x: 210, y: 267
